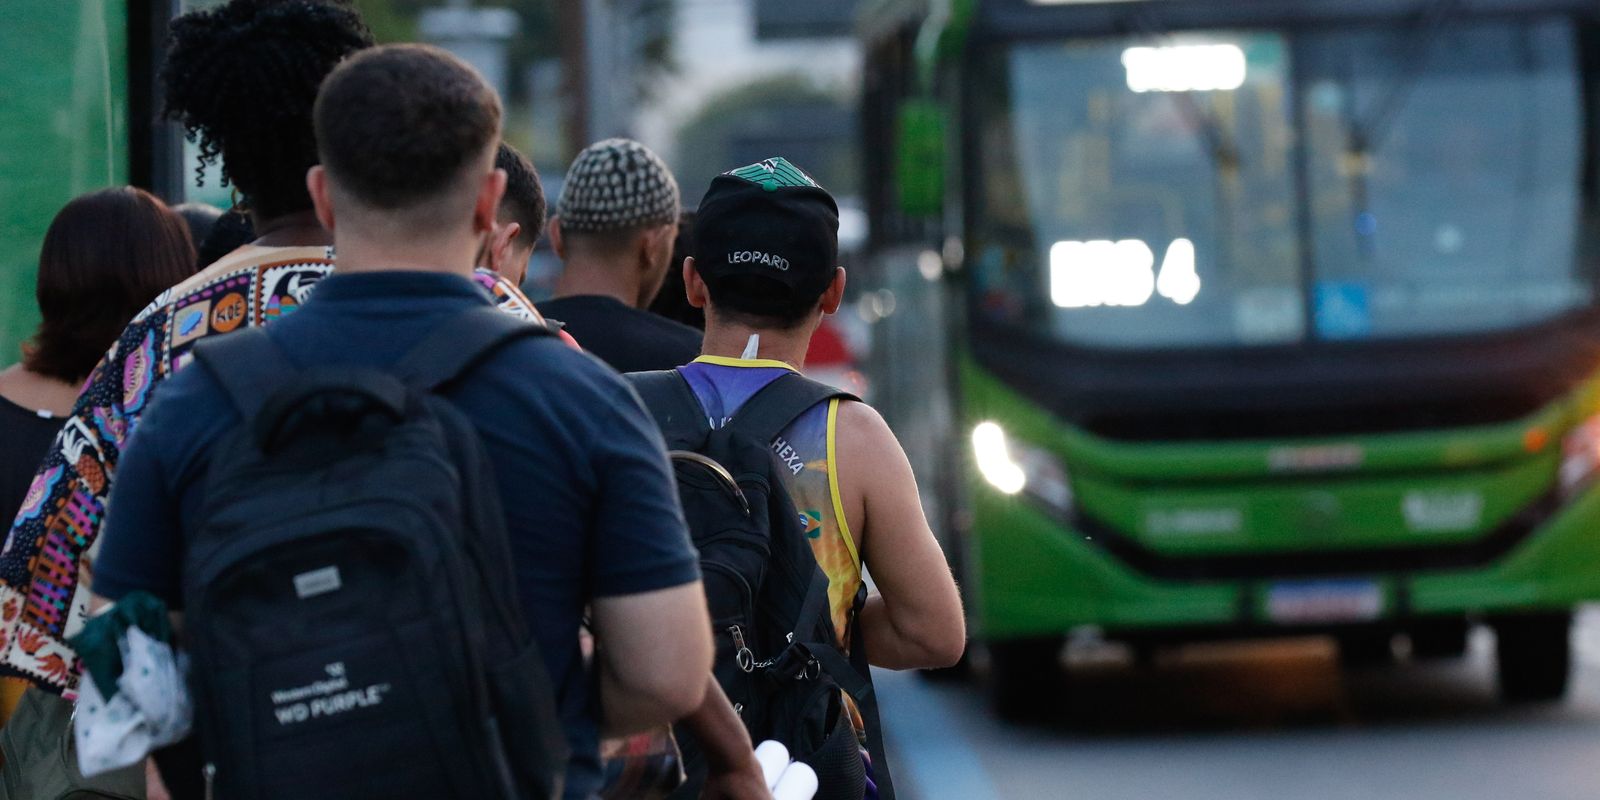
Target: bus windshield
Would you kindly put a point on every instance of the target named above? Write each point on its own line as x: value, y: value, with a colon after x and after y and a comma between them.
x: 1252, y: 188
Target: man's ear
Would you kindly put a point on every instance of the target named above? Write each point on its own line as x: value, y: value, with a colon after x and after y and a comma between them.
x: 487, y: 207
x: 500, y: 246
x: 694, y: 287
x: 556, y: 243
x: 651, y: 243
x: 321, y: 197
x: 833, y: 296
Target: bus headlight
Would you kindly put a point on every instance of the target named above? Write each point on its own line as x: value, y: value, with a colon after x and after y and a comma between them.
x: 1013, y: 467
x: 1580, y: 457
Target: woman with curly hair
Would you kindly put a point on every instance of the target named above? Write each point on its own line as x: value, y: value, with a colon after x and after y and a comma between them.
x: 241, y: 79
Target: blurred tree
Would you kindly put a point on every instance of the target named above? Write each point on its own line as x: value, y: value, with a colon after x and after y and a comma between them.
x: 396, y: 21
x: 787, y: 116
x: 388, y: 20
x: 656, y: 49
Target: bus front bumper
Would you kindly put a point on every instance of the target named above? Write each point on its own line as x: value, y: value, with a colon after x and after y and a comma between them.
x: 1035, y: 576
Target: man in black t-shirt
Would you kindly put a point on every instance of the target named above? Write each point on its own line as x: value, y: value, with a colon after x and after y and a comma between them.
x: 613, y: 229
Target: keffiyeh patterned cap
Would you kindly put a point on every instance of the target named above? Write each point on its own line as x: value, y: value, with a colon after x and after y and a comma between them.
x: 617, y: 184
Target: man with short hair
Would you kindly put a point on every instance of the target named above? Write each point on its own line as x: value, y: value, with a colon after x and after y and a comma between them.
x: 613, y: 229
x: 765, y: 269
x: 519, y: 221
x: 408, y: 187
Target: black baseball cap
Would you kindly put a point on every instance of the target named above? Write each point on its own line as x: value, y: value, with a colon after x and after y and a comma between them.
x: 769, y: 220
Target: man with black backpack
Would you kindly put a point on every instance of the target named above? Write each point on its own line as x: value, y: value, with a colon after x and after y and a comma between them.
x: 384, y: 515
x: 793, y: 488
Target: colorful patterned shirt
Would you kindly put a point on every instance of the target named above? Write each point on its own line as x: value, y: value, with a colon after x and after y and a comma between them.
x: 42, y: 599
x: 807, y: 449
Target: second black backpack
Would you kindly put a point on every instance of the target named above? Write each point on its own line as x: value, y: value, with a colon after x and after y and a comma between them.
x: 778, y: 657
x: 351, y: 607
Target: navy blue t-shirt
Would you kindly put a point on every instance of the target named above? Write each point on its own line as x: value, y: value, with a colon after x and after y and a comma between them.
x: 591, y: 507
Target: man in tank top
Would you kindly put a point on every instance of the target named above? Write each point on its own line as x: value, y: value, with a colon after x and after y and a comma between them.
x: 764, y: 268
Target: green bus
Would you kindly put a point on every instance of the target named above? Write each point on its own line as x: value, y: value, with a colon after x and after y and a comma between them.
x: 79, y: 110
x: 1208, y: 319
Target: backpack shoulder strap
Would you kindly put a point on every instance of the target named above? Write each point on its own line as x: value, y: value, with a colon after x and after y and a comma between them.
x: 853, y: 674
x: 867, y: 701
x: 454, y: 348
x: 781, y: 402
x: 667, y: 395
x: 248, y: 365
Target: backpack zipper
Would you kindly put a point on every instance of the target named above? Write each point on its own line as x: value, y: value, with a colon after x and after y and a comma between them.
x: 718, y: 471
x: 742, y: 655
x: 286, y: 531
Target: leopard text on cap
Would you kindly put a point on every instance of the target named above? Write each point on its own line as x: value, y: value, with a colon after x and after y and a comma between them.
x: 758, y: 257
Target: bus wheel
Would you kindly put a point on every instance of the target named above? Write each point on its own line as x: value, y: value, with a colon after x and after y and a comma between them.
x: 1025, y: 678
x: 1535, y: 656
x: 1437, y: 639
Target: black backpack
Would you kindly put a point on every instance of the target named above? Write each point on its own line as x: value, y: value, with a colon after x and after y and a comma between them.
x: 351, y: 607
x: 777, y: 653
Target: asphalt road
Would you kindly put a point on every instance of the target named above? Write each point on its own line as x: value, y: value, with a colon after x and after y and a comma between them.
x: 1270, y: 721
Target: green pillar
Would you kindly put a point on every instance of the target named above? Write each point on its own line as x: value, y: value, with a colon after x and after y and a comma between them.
x: 63, y: 131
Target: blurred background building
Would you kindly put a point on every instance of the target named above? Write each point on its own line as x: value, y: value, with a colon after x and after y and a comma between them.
x: 709, y: 84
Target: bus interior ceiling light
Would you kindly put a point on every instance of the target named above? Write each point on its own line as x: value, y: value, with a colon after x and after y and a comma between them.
x: 1105, y: 273
x: 1185, y: 68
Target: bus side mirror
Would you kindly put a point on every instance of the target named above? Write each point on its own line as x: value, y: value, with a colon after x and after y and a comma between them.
x: 919, y: 158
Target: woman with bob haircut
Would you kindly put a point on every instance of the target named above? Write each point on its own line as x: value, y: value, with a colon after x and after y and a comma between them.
x: 106, y: 255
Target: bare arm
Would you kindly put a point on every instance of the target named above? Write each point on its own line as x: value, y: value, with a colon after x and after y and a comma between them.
x: 915, y: 621
x: 654, y: 652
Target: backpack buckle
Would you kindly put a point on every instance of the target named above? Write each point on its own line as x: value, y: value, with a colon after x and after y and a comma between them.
x: 808, y: 670
x: 812, y: 671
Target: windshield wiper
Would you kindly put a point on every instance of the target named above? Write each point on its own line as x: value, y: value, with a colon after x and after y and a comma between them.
x: 1224, y: 152
x: 1220, y: 146
x: 1367, y: 135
